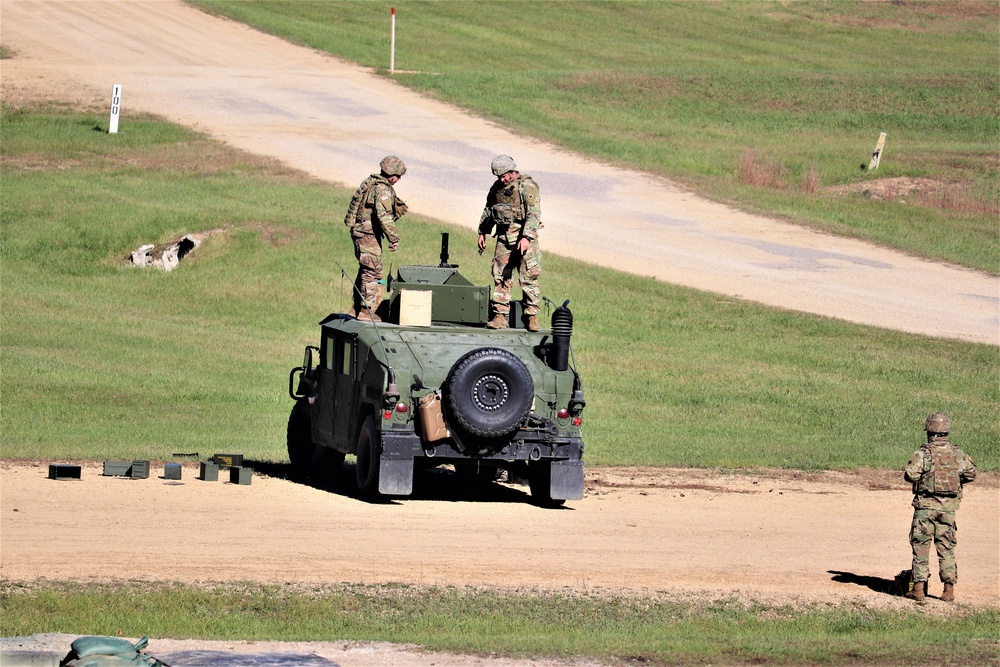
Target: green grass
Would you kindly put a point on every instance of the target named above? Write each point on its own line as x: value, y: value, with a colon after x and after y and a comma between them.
x: 658, y: 630
x: 685, y: 89
x: 102, y: 360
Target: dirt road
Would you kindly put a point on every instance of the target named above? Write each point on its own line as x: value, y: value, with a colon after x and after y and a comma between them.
x: 336, y: 121
x: 777, y: 535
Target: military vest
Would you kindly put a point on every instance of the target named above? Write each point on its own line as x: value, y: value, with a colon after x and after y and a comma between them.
x: 359, y: 199
x: 940, y: 476
x: 508, y: 208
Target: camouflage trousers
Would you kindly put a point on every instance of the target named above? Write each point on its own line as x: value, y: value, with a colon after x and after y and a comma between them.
x: 507, y: 259
x: 368, y: 250
x: 939, y: 527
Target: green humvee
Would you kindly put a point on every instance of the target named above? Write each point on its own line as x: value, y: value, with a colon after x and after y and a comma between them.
x: 430, y: 385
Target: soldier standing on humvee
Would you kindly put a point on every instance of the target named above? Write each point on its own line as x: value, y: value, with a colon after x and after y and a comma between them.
x: 937, y: 470
x: 372, y: 215
x: 513, y: 213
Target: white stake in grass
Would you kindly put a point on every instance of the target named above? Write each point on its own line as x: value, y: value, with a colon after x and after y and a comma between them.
x: 877, y: 154
x: 392, y: 44
x: 116, y: 107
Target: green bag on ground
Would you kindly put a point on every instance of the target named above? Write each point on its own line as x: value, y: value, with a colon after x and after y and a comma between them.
x: 108, y: 652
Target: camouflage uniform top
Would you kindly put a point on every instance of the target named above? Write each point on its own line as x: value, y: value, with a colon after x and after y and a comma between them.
x: 375, y: 209
x: 515, y: 209
x: 937, y: 464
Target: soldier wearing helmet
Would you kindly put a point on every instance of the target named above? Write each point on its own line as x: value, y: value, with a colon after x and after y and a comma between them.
x: 513, y: 214
x: 372, y: 216
x: 937, y: 470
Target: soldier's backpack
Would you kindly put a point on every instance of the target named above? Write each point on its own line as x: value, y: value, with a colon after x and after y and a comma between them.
x: 358, y: 200
x: 940, y: 476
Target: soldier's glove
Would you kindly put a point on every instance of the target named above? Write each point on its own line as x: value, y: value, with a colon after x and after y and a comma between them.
x: 401, y: 208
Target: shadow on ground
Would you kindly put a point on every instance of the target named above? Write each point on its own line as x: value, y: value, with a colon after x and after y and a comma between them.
x: 877, y: 584
x: 438, y: 484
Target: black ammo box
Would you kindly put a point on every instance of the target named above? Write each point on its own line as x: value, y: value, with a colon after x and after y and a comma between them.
x: 172, y: 471
x: 64, y: 471
x: 228, y: 460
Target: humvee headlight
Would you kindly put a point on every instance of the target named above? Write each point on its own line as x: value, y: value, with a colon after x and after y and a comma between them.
x: 402, y: 408
x: 563, y: 414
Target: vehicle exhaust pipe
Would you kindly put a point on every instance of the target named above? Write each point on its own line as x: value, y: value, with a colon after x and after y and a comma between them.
x: 562, y: 330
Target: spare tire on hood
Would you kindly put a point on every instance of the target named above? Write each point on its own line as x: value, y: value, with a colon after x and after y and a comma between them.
x: 488, y: 392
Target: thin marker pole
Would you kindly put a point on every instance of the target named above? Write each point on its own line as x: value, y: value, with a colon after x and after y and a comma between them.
x: 116, y: 107
x: 392, y: 44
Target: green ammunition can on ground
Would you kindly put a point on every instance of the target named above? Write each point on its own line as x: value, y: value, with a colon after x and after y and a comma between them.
x: 209, y: 471
x: 240, y: 475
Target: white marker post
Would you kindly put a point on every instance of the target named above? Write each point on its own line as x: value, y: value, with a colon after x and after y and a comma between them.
x: 116, y: 107
x: 392, y: 44
x: 877, y: 154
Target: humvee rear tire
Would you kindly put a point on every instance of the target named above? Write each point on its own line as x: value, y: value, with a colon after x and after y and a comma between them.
x: 369, y: 455
x: 300, y: 444
x: 540, y: 484
x: 489, y: 392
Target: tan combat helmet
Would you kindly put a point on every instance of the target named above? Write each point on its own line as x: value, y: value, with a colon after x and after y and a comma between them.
x: 937, y: 422
x: 392, y: 166
x: 502, y: 164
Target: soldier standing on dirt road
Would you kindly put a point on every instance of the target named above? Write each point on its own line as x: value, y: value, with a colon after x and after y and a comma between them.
x: 513, y: 213
x: 372, y: 215
x: 937, y: 470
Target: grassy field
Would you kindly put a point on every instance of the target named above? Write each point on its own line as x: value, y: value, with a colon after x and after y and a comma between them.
x: 771, y: 106
x: 656, y: 630
x: 102, y: 360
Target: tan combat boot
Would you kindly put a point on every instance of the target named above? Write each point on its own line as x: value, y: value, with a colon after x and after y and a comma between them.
x: 499, y: 321
x: 918, y: 591
x: 949, y: 592
x: 368, y: 316
x: 533, y: 323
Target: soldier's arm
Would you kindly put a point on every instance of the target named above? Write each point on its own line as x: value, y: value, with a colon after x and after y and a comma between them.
x: 383, y: 210
x: 486, y: 219
x: 532, y: 198
x: 914, y: 467
x: 967, y: 470
x: 486, y: 222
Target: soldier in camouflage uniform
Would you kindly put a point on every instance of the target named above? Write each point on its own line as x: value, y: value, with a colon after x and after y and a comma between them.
x: 937, y: 470
x: 513, y: 213
x: 372, y: 216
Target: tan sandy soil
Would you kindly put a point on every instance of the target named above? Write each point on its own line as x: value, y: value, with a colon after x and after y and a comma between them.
x: 779, y: 536
x: 773, y: 533
x: 336, y: 121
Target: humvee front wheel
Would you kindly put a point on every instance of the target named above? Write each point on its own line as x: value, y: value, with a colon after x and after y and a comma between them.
x: 369, y: 455
x: 300, y: 444
x: 489, y: 392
